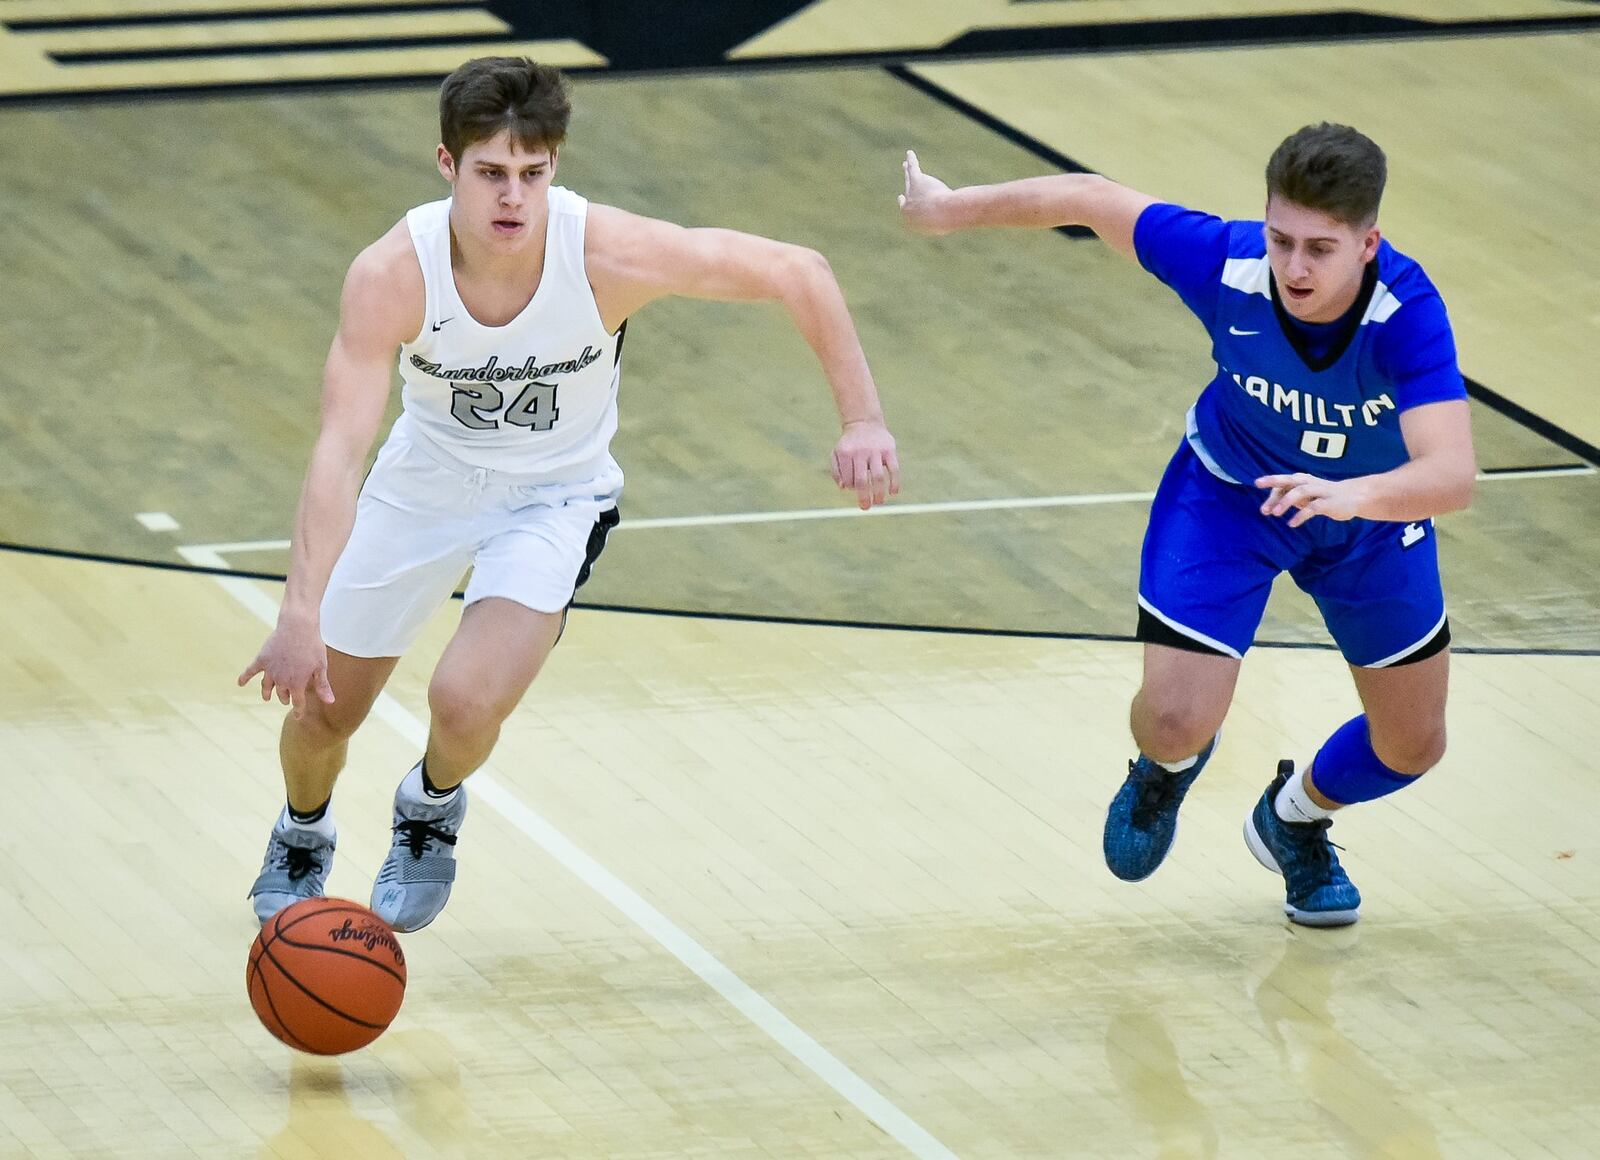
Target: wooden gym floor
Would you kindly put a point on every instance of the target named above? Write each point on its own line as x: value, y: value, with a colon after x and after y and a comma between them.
x: 734, y: 886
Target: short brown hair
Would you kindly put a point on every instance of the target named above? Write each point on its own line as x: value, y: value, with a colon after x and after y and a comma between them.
x: 1332, y: 169
x: 491, y: 93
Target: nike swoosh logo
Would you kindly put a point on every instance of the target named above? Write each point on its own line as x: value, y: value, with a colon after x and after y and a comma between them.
x: 442, y: 321
x: 1231, y: 330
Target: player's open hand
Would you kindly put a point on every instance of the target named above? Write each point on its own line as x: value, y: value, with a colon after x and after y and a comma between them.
x: 864, y: 459
x: 1337, y: 499
x: 293, y: 663
x: 922, y: 204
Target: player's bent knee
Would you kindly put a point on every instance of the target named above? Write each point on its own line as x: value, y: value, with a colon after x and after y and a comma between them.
x: 1173, y: 731
x: 1410, y: 753
x: 464, y: 712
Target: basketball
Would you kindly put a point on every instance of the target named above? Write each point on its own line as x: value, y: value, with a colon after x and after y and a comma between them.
x: 326, y: 976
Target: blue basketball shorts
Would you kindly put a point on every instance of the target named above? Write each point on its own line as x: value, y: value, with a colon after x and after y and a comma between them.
x: 1210, y: 558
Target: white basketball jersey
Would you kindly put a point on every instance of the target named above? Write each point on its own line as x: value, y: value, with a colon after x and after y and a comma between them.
x: 535, y: 397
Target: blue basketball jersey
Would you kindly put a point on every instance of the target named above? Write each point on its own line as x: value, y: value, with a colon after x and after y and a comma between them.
x: 1289, y: 396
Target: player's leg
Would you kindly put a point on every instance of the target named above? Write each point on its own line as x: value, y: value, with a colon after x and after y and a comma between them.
x: 523, y: 580
x: 1181, y: 702
x: 1398, y: 738
x: 1175, y: 718
x: 1205, y: 573
x: 1405, y: 731
x: 1383, y: 603
x: 489, y: 664
x: 312, y: 749
x: 404, y: 555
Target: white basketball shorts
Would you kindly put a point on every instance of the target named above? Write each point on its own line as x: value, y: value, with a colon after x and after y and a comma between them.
x: 424, y: 517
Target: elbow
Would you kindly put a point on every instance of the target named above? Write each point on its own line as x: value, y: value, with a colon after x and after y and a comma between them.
x: 1467, y: 484
x: 1459, y: 496
x: 1092, y: 201
x: 803, y: 275
x: 1095, y: 183
x: 809, y: 264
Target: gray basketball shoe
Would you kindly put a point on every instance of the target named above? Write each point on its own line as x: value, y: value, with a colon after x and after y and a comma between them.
x: 413, y: 884
x: 296, y: 867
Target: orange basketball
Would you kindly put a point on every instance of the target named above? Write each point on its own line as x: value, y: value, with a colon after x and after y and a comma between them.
x: 326, y: 976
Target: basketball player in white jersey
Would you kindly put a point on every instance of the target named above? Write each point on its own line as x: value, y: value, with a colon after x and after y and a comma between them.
x: 507, y: 303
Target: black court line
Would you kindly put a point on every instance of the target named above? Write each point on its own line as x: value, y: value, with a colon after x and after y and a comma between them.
x: 228, y: 15
x: 1495, y: 401
x: 764, y: 618
x: 1058, y: 40
x: 136, y: 562
x: 634, y: 50
x: 1547, y: 469
x: 321, y: 86
x: 995, y: 125
x: 1268, y: 30
x: 1538, y: 424
x: 320, y: 44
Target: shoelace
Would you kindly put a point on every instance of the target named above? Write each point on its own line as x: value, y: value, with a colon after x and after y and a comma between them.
x: 416, y: 836
x: 300, y: 862
x: 1315, y: 850
x: 1156, y: 787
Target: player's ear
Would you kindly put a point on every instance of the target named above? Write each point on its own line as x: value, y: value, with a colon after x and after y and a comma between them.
x: 1369, y: 244
x: 447, y: 165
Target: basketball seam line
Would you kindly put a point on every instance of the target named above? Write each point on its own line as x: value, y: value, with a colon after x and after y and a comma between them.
x: 281, y: 931
x: 266, y: 953
x: 266, y: 994
x: 348, y: 954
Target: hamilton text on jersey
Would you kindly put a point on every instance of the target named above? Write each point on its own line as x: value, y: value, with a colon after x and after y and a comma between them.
x: 1304, y: 407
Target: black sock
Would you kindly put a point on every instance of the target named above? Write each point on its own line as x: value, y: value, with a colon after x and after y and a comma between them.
x: 429, y: 788
x: 312, y: 818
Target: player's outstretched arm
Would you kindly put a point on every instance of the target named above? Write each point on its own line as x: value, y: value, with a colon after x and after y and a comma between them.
x: 929, y: 206
x: 635, y: 260
x: 379, y: 309
x: 1438, y: 477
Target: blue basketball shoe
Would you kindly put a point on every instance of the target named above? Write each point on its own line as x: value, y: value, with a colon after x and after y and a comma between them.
x: 1319, y: 892
x: 1143, y: 817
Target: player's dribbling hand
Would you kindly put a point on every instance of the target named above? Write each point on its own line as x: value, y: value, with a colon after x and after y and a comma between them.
x: 1337, y: 499
x: 864, y: 459
x: 920, y: 203
x: 294, y: 664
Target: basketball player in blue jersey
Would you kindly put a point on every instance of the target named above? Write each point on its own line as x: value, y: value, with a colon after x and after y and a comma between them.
x: 506, y: 303
x: 1334, y: 429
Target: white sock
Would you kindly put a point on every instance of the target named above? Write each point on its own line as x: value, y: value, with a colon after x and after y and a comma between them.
x: 323, y: 826
x: 1294, y: 804
x: 1187, y: 762
x: 412, y: 789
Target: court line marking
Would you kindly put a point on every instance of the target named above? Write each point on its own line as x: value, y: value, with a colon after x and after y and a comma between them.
x: 157, y: 521
x: 893, y: 509
x: 740, y: 995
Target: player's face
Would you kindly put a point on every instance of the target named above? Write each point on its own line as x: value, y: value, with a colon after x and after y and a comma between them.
x: 499, y: 190
x: 1317, y: 260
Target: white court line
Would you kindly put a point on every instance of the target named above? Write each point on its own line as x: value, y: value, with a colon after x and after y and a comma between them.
x: 157, y: 521
x: 744, y: 998
x: 893, y: 509
x: 831, y: 513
